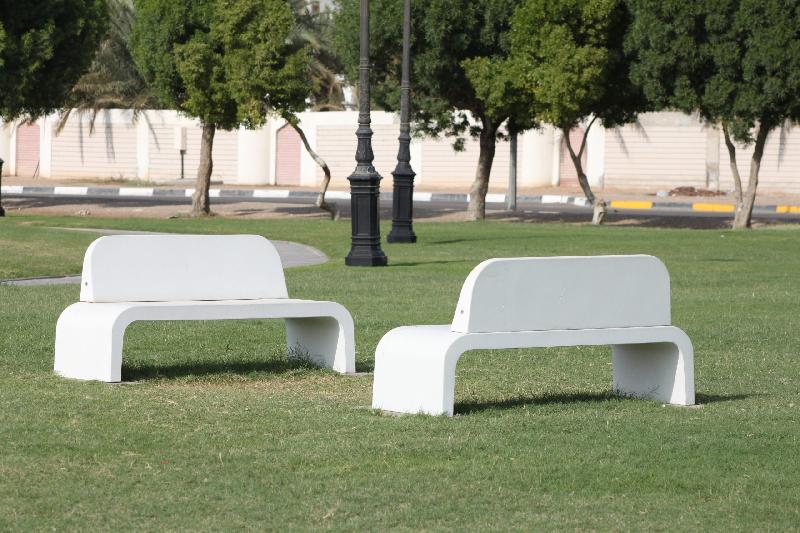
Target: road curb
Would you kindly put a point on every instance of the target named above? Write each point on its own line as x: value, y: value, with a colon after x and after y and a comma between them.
x: 492, y: 198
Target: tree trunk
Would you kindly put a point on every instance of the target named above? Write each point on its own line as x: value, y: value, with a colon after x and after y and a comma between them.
x: 598, y: 205
x: 200, y: 200
x: 746, y: 200
x: 477, y: 193
x: 332, y: 210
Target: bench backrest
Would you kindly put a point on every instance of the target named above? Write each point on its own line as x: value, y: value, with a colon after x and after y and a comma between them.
x: 543, y: 293
x: 157, y: 268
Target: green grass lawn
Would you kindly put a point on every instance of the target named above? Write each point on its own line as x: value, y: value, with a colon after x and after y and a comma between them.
x: 216, y: 430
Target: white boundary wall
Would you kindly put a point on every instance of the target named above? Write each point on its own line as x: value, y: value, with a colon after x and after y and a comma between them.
x: 661, y: 151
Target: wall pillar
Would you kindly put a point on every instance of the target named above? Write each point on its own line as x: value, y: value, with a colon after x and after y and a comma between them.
x: 143, y: 146
x: 5, y: 146
x: 555, y: 166
x: 254, y: 148
x: 712, y: 157
x: 535, y: 157
x: 46, y: 126
x: 596, y: 155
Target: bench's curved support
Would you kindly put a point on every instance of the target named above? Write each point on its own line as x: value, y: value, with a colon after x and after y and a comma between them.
x: 415, y: 370
x: 662, y: 371
x: 89, y: 336
x: 415, y: 366
x: 89, y: 342
x: 327, y: 341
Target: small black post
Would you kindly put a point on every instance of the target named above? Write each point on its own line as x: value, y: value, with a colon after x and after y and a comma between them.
x: 2, y: 211
x: 403, y: 197
x: 365, y: 181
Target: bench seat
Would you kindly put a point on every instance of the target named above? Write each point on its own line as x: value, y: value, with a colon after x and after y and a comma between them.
x: 415, y: 366
x: 130, y: 278
x: 89, y: 336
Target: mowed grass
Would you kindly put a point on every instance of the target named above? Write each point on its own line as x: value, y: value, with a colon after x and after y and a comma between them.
x: 216, y: 429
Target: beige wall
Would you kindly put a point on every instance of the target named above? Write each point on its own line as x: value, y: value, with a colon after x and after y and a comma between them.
x: 107, y: 151
x: 780, y: 165
x: 660, y: 152
x: 165, y: 159
x: 663, y: 151
x: 337, y: 145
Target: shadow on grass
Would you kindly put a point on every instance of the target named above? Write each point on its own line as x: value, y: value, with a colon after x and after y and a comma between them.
x: 208, y: 368
x: 418, y: 263
x: 463, y: 408
x: 211, y: 368
x: 702, y: 399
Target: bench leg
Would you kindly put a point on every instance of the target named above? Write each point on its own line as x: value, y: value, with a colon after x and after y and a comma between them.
x: 661, y: 371
x: 415, y: 372
x: 326, y: 341
x: 89, y: 343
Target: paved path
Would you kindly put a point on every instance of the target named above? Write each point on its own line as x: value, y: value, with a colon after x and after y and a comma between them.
x: 293, y: 254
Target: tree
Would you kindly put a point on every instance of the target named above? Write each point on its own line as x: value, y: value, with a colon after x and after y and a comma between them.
x: 225, y: 62
x: 313, y: 31
x: 569, y: 55
x: 113, y: 80
x: 735, y: 62
x: 456, y: 46
x: 44, y: 47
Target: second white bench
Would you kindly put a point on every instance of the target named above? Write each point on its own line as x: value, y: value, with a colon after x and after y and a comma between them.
x: 127, y: 278
x: 622, y: 301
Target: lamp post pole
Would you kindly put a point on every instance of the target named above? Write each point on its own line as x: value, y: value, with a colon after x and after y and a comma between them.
x: 365, y: 249
x: 403, y: 196
x: 2, y: 211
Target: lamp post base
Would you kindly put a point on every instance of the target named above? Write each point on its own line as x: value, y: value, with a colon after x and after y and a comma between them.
x: 367, y: 258
x: 365, y: 247
x: 403, y: 206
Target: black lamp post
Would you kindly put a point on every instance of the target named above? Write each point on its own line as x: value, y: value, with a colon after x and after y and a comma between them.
x: 2, y: 211
x: 403, y: 197
x: 365, y: 181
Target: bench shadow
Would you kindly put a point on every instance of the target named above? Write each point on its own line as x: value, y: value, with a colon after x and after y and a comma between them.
x: 200, y: 369
x: 701, y: 399
x: 417, y: 263
x: 463, y: 408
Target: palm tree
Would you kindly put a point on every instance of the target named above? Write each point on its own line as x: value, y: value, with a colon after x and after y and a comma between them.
x: 113, y: 80
x: 313, y: 31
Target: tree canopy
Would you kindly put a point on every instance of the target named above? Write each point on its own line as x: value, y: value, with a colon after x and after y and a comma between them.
x: 459, y: 89
x: 44, y: 48
x: 226, y: 62
x: 568, y: 55
x: 735, y: 62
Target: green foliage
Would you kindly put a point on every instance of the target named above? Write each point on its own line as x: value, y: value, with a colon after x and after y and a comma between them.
x: 45, y: 45
x: 569, y: 56
x: 225, y: 62
x: 113, y: 79
x: 315, y: 32
x: 455, y: 47
x: 733, y: 61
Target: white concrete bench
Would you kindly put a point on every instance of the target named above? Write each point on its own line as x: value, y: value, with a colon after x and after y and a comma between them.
x: 127, y: 278
x: 622, y: 301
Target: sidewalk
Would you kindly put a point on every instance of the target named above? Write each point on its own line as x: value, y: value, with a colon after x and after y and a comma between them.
x: 769, y: 203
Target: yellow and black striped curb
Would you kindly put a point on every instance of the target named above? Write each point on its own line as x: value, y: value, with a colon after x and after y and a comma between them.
x: 277, y: 194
